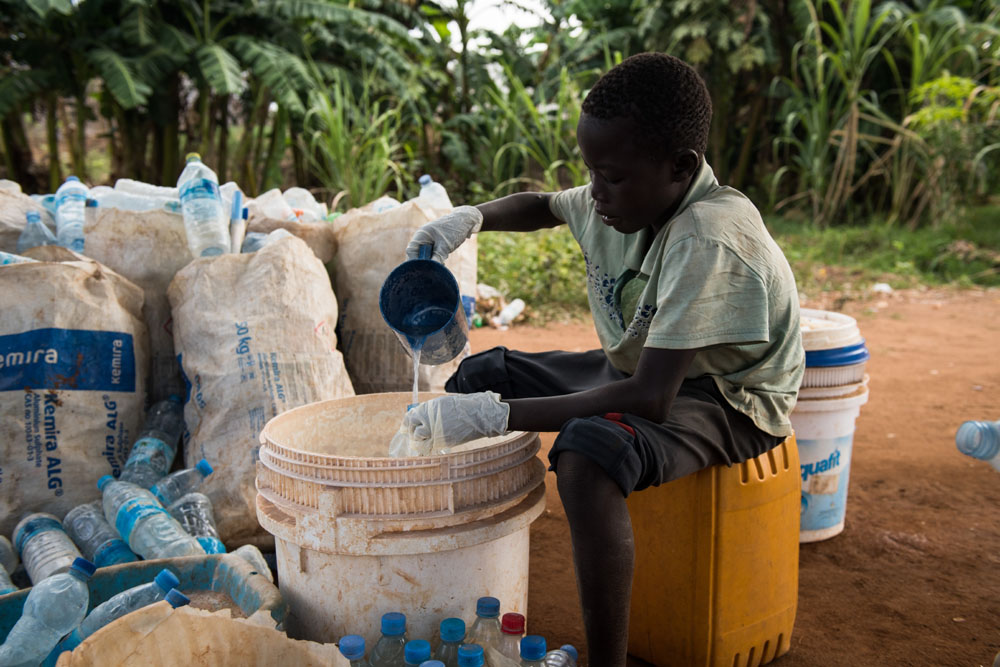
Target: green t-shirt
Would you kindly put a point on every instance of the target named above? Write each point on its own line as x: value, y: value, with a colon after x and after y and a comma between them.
x: 713, y: 279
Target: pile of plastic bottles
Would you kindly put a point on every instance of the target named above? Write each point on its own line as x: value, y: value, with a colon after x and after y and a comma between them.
x: 457, y: 648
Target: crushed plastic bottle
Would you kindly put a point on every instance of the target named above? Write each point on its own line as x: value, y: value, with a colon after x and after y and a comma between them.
x: 194, y: 512
x: 142, y: 522
x: 533, y: 651
x: 980, y: 440
x: 127, y: 185
x: 352, y: 647
x: 485, y: 630
x: 564, y: 656
x: 388, y: 651
x: 452, y: 631
x: 471, y: 655
x: 201, y: 204
x: 252, y: 555
x: 127, y: 201
x: 508, y: 314
x: 300, y: 199
x: 434, y: 193
x: 163, y: 587
x: 272, y: 205
x: 35, y: 233
x: 154, y: 451
x: 71, y: 199
x: 44, y: 546
x: 93, y: 535
x: 53, y: 608
x: 257, y: 240
x: 8, y: 563
x: 179, y: 483
x: 11, y: 258
x: 416, y: 652
x: 512, y: 629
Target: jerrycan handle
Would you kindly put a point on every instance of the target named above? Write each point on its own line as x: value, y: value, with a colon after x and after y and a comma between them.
x: 425, y: 251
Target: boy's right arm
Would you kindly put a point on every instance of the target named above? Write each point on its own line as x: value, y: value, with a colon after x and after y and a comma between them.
x: 521, y: 212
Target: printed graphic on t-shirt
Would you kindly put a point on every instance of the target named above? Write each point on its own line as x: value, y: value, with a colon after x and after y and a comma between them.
x: 602, y: 288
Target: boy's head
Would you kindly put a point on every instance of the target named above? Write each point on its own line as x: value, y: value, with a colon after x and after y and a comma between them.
x: 643, y: 131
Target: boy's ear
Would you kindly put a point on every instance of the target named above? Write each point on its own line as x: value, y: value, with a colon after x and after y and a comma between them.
x: 686, y: 162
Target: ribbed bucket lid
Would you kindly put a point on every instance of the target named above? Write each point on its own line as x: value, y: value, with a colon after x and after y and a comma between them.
x: 840, y: 356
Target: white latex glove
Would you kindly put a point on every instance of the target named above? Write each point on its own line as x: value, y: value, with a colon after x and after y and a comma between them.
x: 442, y: 423
x: 446, y: 233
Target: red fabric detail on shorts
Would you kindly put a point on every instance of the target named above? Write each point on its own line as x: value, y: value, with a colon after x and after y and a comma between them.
x: 616, y: 417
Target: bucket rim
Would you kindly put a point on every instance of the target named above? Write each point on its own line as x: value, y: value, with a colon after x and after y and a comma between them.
x: 835, y: 403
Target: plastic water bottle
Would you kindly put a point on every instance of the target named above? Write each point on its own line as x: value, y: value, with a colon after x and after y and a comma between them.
x: 194, y: 512
x: 142, y: 522
x: 53, y: 608
x: 471, y: 655
x: 980, y: 440
x: 272, y: 205
x: 508, y: 313
x: 352, y: 647
x: 415, y: 652
x: 71, y: 198
x: 434, y: 193
x: 564, y: 656
x: 11, y: 258
x: 533, y: 651
x: 512, y: 629
x: 388, y: 651
x: 179, y: 483
x: 127, y: 201
x: 201, y: 205
x: 300, y: 199
x: 154, y: 451
x: 452, y: 636
x: 8, y: 563
x: 35, y: 233
x: 45, y: 548
x: 485, y: 630
x: 97, y: 540
x: 127, y: 185
x: 163, y: 585
x: 252, y: 555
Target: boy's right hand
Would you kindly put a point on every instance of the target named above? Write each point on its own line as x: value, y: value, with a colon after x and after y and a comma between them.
x: 446, y: 233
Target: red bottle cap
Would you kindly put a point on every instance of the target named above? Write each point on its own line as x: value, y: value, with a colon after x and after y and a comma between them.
x: 512, y: 624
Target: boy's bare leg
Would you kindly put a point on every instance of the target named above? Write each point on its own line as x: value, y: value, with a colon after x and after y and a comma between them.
x: 603, y: 552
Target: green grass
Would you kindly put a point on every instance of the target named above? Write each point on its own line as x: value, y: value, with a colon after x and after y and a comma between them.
x: 546, y: 268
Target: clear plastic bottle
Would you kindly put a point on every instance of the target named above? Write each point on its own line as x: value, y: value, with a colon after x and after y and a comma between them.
x: 452, y: 632
x: 352, y: 647
x: 434, y: 193
x: 564, y: 656
x: 485, y: 630
x: 142, y: 522
x: 201, y: 204
x: 8, y: 563
x: 252, y: 555
x: 509, y: 313
x: 11, y: 258
x: 300, y: 199
x: 388, y: 651
x: 53, y: 608
x: 179, y: 483
x: 127, y: 201
x: 127, y: 185
x: 980, y: 440
x: 124, y: 603
x: 44, y: 546
x: 194, y: 512
x: 471, y: 655
x: 272, y: 205
x: 512, y: 629
x: 71, y: 198
x: 35, y: 233
x: 93, y: 535
x: 153, y: 453
x: 415, y: 652
x: 533, y: 651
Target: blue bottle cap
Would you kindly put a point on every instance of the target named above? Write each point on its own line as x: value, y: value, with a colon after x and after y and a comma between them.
x: 352, y: 647
x: 167, y: 580
x: 532, y: 647
x: 470, y: 655
x: 204, y: 468
x: 33, y: 216
x: 393, y: 624
x: 84, y: 566
x: 487, y: 607
x: 452, y: 630
x: 176, y: 598
x: 416, y: 651
x: 425, y: 179
x: 571, y: 651
x: 72, y: 178
x: 432, y: 663
x: 104, y: 481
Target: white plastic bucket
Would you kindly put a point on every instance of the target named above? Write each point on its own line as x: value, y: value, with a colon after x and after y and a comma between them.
x: 824, y: 429
x: 358, y: 534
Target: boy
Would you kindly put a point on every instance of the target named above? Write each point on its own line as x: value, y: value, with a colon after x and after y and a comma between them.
x: 695, y: 307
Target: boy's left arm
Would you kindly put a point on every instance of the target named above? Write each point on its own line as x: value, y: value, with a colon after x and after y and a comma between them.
x: 648, y: 393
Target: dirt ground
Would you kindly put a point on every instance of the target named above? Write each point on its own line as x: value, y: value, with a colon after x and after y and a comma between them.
x: 914, y: 579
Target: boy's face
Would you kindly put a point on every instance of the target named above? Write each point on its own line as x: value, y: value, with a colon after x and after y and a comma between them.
x: 630, y: 188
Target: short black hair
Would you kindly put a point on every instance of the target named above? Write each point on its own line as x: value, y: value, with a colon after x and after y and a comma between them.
x: 663, y: 95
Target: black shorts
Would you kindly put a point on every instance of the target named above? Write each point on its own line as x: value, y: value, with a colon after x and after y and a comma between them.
x: 702, y: 429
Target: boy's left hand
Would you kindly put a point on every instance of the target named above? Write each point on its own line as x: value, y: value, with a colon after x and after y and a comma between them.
x: 451, y: 420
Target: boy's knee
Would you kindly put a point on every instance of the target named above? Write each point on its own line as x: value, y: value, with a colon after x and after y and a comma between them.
x: 484, y: 371
x: 585, y: 456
